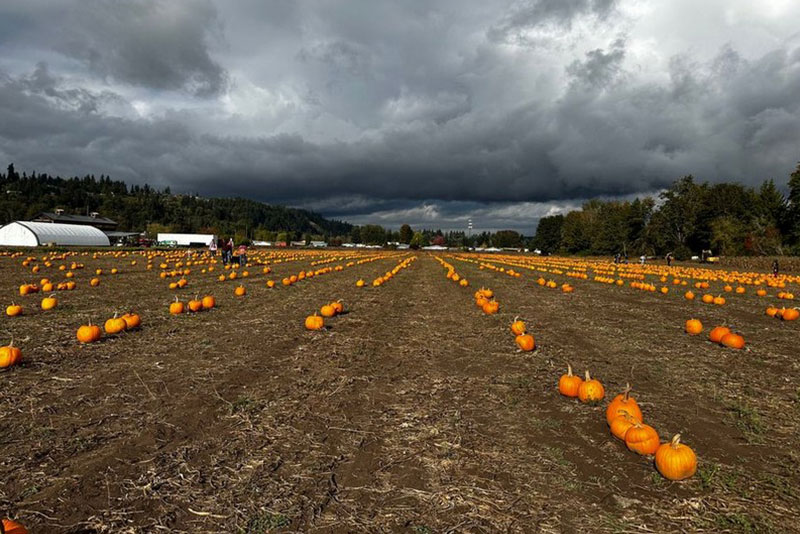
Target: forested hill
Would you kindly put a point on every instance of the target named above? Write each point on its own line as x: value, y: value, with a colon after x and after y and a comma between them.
x: 139, y: 208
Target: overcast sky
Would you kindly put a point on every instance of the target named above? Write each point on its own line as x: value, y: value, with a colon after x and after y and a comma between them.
x: 427, y: 112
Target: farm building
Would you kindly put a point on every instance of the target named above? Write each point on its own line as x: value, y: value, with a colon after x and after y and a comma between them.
x: 58, y: 216
x: 34, y: 234
x: 187, y: 240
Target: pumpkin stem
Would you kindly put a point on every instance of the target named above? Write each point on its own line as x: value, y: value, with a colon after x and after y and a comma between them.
x: 676, y: 440
x: 627, y: 392
x: 569, y: 370
x: 587, y: 376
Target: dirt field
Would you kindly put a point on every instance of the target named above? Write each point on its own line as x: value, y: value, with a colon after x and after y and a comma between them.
x: 413, y: 412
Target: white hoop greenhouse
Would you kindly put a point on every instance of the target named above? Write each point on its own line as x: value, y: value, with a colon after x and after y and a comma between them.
x: 34, y: 234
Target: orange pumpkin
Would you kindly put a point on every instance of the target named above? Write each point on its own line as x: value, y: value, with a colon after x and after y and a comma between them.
x: 327, y: 311
x: 517, y: 327
x: 338, y: 307
x: 642, y: 438
x: 12, y: 527
x: 591, y: 391
x: 115, y: 325
x: 790, y: 314
x: 195, y: 305
x: 569, y: 384
x: 718, y: 332
x: 314, y: 322
x: 14, y: 310
x: 48, y: 303
x: 733, y: 341
x: 89, y: 333
x: 240, y: 291
x: 491, y: 307
x: 694, y: 327
x: 525, y: 342
x: 132, y: 320
x: 176, y: 308
x: 625, y: 403
x: 689, y: 295
x: 676, y: 461
x: 620, y: 424
x: 208, y: 302
x: 10, y: 355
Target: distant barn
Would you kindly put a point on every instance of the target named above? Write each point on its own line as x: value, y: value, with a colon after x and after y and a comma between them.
x: 35, y: 234
x: 58, y: 216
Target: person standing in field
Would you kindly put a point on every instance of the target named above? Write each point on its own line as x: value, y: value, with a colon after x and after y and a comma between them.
x: 242, y: 252
x: 212, y: 247
x: 229, y: 248
x: 775, y: 268
x: 226, y: 252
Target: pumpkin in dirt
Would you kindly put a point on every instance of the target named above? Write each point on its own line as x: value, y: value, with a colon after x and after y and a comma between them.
x: 642, y: 438
x: 688, y: 295
x: 623, y: 403
x: 314, y: 322
x: 176, y: 308
x: 14, y: 310
x: 240, y: 291
x: 132, y: 320
x: 48, y: 303
x: 525, y: 342
x: 620, y: 424
x: 569, y: 384
x: 360, y: 283
x: 732, y: 340
x: 7, y: 526
x: 195, y: 305
x: 327, y: 311
x: 676, y: 461
x: 89, y: 333
x: 718, y: 332
x: 517, y: 327
x: 10, y: 355
x: 338, y: 307
x: 694, y: 327
x: 208, y: 302
x: 790, y: 314
x: 719, y: 300
x: 708, y: 299
x: 771, y: 311
x: 115, y: 325
x: 591, y: 391
x: 491, y: 307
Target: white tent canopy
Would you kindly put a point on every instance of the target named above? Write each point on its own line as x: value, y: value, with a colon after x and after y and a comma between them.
x: 34, y: 234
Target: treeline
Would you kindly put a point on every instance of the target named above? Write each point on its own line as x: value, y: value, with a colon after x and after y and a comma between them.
x: 689, y: 217
x: 143, y: 208
x: 372, y: 234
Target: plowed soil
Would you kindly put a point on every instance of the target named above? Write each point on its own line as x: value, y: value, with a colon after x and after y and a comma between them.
x: 411, y: 412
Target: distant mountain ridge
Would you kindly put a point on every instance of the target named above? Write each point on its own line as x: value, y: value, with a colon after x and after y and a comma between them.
x: 139, y: 208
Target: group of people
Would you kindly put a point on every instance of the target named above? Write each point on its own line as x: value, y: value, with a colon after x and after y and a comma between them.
x: 227, y: 248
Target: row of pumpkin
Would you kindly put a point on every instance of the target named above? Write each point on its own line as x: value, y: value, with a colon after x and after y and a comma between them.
x: 674, y: 460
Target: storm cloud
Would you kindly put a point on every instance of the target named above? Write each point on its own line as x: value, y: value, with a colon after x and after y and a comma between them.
x: 392, y: 112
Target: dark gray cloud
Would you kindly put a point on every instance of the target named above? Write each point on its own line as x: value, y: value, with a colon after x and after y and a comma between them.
x: 530, y: 15
x: 158, y: 45
x: 393, y: 111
